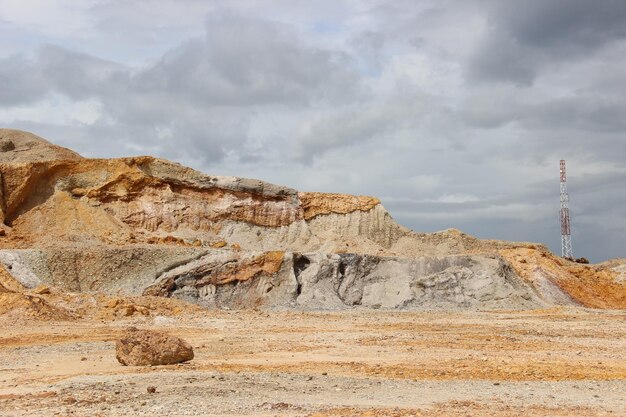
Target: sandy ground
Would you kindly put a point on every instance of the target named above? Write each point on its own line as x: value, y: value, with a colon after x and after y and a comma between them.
x: 360, y: 363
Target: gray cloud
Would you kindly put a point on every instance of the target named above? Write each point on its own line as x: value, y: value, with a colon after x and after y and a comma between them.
x: 21, y: 82
x: 248, y: 62
x: 574, y: 26
x: 454, y: 113
x: 77, y: 75
x: 521, y: 37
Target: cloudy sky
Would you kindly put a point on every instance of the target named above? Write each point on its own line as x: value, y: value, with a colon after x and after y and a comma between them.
x: 454, y: 113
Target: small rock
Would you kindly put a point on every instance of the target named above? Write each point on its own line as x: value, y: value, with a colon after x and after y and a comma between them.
x: 144, y: 347
x: 83, y: 359
x: 2, y: 232
x: 151, y: 389
x: 142, y: 310
x: 6, y: 145
x: 127, y: 311
x: 70, y: 400
x: 276, y: 406
x: 113, y: 302
x: 42, y: 289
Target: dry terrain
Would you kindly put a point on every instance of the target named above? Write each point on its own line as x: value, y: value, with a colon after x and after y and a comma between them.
x: 556, y: 362
x: 296, y: 303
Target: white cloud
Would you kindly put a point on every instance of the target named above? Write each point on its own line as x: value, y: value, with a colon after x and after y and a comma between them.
x: 457, y: 198
x: 54, y: 109
x: 48, y: 17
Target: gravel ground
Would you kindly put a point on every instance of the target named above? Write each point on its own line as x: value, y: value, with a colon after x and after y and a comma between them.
x: 362, y: 363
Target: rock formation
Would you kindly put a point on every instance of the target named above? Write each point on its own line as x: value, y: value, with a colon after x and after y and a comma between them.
x: 147, y: 226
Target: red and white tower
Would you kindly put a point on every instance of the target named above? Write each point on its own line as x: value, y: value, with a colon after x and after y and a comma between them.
x: 566, y: 235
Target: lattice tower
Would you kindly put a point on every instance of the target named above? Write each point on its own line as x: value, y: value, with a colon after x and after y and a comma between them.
x: 566, y: 233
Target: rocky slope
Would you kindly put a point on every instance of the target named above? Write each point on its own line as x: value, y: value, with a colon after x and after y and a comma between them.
x: 147, y: 226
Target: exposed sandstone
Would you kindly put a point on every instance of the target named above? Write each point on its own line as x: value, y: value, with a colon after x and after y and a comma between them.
x: 7, y: 282
x: 341, y: 281
x: 42, y: 289
x: 15, y: 302
x: 144, y: 347
x: 42, y: 303
x: 315, y: 204
x: 127, y: 197
x: 215, y: 269
x: 20, y: 306
x: 589, y: 286
x: 267, y: 263
x: 20, y: 146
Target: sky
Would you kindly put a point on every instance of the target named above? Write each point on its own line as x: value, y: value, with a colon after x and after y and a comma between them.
x: 453, y: 113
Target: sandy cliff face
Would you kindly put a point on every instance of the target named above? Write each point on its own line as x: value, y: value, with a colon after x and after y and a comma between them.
x: 130, y: 200
x: 564, y: 282
x: 143, y: 225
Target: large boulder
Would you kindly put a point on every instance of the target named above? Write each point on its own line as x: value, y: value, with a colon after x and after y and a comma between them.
x: 145, y: 347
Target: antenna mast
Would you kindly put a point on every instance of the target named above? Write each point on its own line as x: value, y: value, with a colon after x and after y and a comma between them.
x: 566, y: 235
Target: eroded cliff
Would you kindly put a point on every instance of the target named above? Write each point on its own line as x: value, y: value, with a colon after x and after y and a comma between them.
x: 144, y: 225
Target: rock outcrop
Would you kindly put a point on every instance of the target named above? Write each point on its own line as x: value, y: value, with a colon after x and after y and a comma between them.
x: 339, y: 281
x: 146, y: 347
x: 144, y: 225
x: 133, y: 200
x: 17, y: 146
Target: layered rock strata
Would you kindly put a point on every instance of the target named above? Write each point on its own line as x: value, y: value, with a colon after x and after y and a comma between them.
x: 143, y: 225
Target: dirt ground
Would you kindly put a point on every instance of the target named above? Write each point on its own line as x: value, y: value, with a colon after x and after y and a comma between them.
x: 558, y: 362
